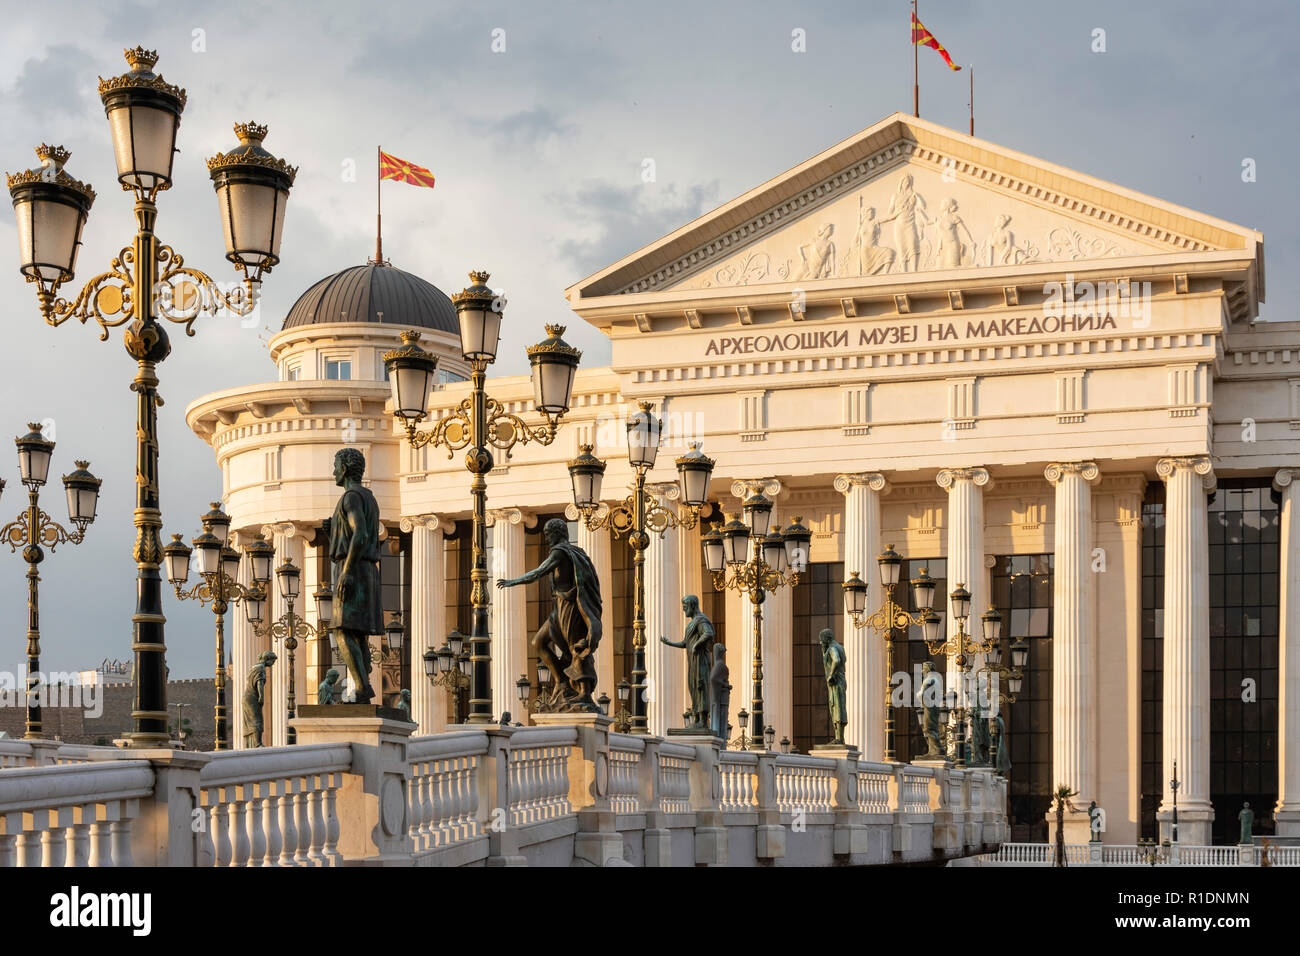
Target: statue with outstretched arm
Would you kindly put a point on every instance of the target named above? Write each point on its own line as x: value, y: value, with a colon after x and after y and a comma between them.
x: 566, y: 642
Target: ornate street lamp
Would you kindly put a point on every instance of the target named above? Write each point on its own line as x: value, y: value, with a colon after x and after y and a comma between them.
x: 478, y: 422
x: 145, y: 282
x: 218, y: 566
x: 640, y: 513
x: 449, y: 667
x: 776, y: 560
x: 889, y: 617
x: 995, y: 672
x: 34, y: 528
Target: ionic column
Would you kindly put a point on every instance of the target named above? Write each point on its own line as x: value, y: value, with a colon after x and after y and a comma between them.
x: 245, y: 646
x: 965, y: 488
x: 597, y: 545
x: 509, y: 606
x: 864, y: 649
x: 1074, y: 640
x: 1287, y: 812
x: 663, y: 616
x: 428, y: 625
x: 1187, y: 647
x: 288, y: 542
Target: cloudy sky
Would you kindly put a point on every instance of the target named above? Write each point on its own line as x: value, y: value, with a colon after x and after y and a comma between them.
x: 538, y: 152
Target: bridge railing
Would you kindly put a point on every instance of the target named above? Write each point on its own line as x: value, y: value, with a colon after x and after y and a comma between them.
x: 1129, y: 854
x: 361, y: 790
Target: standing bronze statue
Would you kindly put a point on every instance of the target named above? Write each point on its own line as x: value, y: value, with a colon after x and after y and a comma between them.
x: 255, y: 698
x: 566, y: 642
x: 1246, y: 818
x: 697, y: 641
x: 354, y: 550
x: 928, y: 696
x: 325, y: 692
x: 836, y: 684
x: 719, y: 692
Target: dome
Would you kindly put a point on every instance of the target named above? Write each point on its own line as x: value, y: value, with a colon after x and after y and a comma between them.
x: 372, y: 293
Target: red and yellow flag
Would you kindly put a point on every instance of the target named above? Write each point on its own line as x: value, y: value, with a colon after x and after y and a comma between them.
x: 390, y: 167
x: 923, y: 37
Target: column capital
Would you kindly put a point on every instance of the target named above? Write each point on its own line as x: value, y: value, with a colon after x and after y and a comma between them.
x: 1198, y: 464
x: 1057, y: 470
x: 669, y: 490
x: 289, y: 529
x: 977, y: 475
x: 873, y: 480
x: 410, y: 522
x: 742, y: 488
x: 511, y: 516
x: 1284, y: 477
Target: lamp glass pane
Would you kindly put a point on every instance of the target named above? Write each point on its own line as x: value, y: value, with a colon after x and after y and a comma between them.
x: 143, y: 138
x: 47, y: 237
x: 209, y: 558
x: 714, y: 554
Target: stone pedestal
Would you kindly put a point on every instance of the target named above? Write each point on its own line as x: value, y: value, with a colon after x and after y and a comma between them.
x: 577, y: 720
x: 941, y: 763
x: 680, y: 735
x: 840, y: 751
x: 372, y: 805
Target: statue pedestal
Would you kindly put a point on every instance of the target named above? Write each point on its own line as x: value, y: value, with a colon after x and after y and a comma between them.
x: 372, y: 803
x: 573, y: 720
x: 353, y: 712
x: 942, y: 763
x: 842, y: 751
x: 680, y: 735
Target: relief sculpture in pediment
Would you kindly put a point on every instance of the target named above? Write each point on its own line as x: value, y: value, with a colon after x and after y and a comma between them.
x: 920, y: 228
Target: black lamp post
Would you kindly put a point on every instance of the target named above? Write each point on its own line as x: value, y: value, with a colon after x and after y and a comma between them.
x: 148, y: 281
x: 478, y: 422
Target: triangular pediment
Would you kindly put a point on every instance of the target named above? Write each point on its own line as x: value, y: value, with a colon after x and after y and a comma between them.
x: 910, y: 197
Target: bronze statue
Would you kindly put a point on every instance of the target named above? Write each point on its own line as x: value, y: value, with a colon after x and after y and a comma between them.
x: 404, y: 702
x: 255, y: 698
x: 719, y: 692
x: 325, y: 692
x: 1247, y: 820
x: 1094, y: 822
x: 566, y: 642
x: 1004, y: 748
x: 928, y: 696
x: 697, y: 641
x: 354, y: 549
x: 979, y: 738
x: 836, y: 684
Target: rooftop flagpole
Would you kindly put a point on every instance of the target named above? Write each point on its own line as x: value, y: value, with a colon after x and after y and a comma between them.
x: 972, y: 99
x: 916, y: 88
x: 379, y: 208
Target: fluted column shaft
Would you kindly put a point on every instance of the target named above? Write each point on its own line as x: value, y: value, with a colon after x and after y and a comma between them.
x: 778, y: 651
x: 864, y: 649
x: 597, y: 545
x: 1074, y: 640
x: 1187, y: 644
x: 1287, y: 813
x: 509, y: 607
x: 665, y: 667
x: 965, y: 488
x: 428, y: 625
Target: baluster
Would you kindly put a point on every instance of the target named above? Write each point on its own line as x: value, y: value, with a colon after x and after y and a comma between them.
x: 79, y: 844
x: 428, y: 833
x: 120, y: 838
x: 270, y: 823
x: 101, y: 854
x: 239, y: 828
x: 318, y: 833
x: 218, y: 823
x: 332, y: 853
x: 302, y: 823
x: 8, y: 850
x: 471, y: 797
x: 288, y: 830
x: 457, y: 783
x: 54, y: 842
x: 29, y: 848
x: 253, y: 820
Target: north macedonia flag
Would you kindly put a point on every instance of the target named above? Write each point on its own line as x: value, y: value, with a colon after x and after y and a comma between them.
x: 923, y: 37
x: 390, y: 167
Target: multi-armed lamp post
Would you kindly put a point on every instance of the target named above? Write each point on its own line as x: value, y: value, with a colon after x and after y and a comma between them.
x: 476, y: 423
x: 638, y: 514
x: 147, y: 281
x: 290, y: 628
x: 1014, y: 676
x: 34, y: 528
x: 218, y: 568
x: 726, y: 548
x: 890, y: 616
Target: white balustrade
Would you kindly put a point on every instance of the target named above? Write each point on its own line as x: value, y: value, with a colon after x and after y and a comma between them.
x: 739, y: 782
x: 273, y: 806
x: 71, y: 815
x: 805, y: 784
x: 539, y: 774
x: 443, y: 795
x: 625, y: 755
x: 873, y: 788
x: 675, y: 777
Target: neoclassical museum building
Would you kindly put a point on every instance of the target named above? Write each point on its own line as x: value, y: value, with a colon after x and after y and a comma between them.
x: 1048, y: 388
